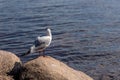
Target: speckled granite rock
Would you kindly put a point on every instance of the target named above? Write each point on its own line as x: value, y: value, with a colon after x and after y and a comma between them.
x: 3, y: 77
x: 48, y: 68
x: 9, y: 64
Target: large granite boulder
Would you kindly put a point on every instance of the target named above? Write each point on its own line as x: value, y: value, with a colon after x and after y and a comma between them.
x: 48, y: 68
x: 9, y: 64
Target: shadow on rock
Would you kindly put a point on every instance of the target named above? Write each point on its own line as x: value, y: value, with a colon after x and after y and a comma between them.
x: 15, y: 72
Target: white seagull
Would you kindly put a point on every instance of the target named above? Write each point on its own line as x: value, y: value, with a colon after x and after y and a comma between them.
x: 40, y: 44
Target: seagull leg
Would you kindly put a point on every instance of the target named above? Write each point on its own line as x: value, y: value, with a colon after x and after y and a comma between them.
x: 43, y: 53
x: 39, y: 53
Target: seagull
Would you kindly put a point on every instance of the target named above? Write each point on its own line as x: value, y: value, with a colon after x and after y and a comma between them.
x: 40, y: 44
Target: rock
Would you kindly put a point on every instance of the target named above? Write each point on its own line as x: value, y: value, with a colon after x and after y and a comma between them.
x: 48, y: 68
x: 2, y: 77
x: 9, y: 63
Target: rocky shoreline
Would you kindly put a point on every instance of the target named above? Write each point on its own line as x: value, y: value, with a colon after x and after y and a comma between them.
x: 41, y: 68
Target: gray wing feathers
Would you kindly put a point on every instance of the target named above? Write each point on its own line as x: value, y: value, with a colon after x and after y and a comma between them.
x: 42, y: 42
x: 38, y: 42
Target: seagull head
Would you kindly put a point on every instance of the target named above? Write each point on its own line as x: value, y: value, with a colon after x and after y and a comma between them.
x: 49, y: 32
x: 48, y: 29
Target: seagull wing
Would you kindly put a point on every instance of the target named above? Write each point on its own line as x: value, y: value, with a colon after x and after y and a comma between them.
x: 39, y: 42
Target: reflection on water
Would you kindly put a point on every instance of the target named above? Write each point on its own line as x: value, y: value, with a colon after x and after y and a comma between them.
x: 85, y: 32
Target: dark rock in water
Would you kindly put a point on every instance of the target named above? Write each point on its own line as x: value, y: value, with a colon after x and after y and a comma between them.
x: 10, y: 64
x: 48, y: 68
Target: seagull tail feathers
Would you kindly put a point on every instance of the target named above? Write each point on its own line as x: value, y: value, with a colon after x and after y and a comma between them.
x: 28, y: 52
